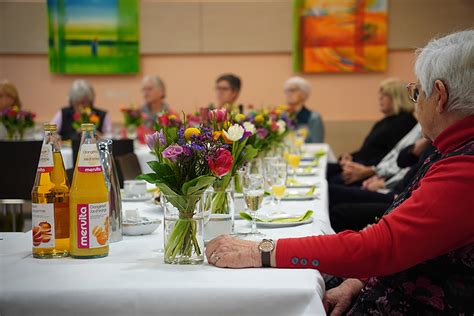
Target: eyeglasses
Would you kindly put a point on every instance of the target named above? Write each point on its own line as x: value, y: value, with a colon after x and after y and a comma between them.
x: 222, y: 89
x: 291, y: 90
x: 413, y: 92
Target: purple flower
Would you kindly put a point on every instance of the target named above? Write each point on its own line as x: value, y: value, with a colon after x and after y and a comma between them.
x: 173, y: 152
x: 151, y: 140
x: 247, y: 134
x: 187, y: 151
x: 262, y: 133
x: 161, y: 137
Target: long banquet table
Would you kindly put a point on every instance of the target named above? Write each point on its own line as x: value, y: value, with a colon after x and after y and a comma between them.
x: 134, y: 280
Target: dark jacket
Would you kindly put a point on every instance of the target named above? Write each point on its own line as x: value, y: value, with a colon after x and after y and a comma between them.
x: 383, y: 136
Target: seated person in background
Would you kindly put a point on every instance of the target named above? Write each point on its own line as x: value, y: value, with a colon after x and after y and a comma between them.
x: 228, y: 88
x: 154, y: 94
x: 297, y: 91
x: 418, y: 259
x: 398, y: 120
x: 81, y: 100
x: 354, y: 208
x: 387, y: 168
x: 9, y: 98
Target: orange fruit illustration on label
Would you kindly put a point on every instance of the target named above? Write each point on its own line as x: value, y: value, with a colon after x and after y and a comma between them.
x: 100, y: 235
x: 41, y: 233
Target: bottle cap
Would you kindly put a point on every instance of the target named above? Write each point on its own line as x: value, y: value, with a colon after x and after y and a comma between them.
x: 50, y: 127
x: 87, y: 127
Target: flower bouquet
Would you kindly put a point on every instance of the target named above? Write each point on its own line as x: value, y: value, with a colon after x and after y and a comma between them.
x: 233, y: 131
x: 187, y: 164
x: 16, y: 121
x: 271, y: 126
x: 132, y: 119
x: 84, y: 116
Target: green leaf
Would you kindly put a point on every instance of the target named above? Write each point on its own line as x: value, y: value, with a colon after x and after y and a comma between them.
x: 154, y: 165
x: 250, y: 152
x: 197, y: 185
x: 149, y: 177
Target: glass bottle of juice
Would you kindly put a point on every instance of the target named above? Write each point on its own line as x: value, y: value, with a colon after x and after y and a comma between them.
x: 89, y: 201
x: 50, y: 200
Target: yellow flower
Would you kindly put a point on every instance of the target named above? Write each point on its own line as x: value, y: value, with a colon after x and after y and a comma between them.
x: 259, y: 119
x: 282, y: 107
x: 226, y: 125
x: 191, y: 131
x: 277, y: 111
x: 173, y: 117
x: 239, y: 117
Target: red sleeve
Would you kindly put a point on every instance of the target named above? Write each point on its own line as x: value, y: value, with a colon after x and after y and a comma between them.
x: 437, y: 218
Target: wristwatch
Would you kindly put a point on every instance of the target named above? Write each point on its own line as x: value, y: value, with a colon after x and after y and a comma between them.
x: 266, y: 247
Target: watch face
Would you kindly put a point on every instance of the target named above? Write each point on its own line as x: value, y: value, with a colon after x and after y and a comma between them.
x: 266, y: 246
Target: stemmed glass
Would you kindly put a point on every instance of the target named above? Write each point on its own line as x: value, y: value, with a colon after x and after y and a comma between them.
x: 268, y: 173
x: 294, y: 159
x: 253, y: 194
x: 279, y: 181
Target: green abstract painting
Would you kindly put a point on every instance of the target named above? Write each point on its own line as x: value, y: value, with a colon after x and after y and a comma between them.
x: 93, y: 36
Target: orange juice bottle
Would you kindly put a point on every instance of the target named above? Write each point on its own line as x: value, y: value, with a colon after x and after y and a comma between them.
x: 50, y: 200
x: 89, y: 201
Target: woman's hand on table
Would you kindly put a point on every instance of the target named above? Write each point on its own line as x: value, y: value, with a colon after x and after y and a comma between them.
x: 337, y: 301
x: 228, y: 252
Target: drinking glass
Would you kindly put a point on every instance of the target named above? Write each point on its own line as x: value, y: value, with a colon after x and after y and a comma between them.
x: 294, y: 159
x: 253, y: 194
x: 279, y: 181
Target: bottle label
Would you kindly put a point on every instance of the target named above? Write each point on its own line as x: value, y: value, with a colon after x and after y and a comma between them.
x: 89, y: 159
x: 92, y: 225
x: 46, y: 162
x: 43, y: 225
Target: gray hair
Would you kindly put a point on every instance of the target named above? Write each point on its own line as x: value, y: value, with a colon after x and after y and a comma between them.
x: 302, y: 84
x: 81, y: 90
x: 451, y: 60
x: 157, y: 81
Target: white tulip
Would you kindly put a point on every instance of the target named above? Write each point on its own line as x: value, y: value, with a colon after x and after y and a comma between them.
x: 281, y: 126
x: 249, y: 127
x: 235, y: 132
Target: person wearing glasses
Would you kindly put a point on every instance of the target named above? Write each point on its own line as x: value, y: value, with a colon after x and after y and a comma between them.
x: 228, y: 88
x: 419, y: 258
x: 297, y: 91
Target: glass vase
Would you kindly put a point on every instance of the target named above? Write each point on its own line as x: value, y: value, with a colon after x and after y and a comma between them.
x: 183, y: 228
x: 132, y: 132
x: 219, y: 205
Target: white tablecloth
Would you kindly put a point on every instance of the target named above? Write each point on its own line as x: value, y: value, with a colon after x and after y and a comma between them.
x: 133, y: 280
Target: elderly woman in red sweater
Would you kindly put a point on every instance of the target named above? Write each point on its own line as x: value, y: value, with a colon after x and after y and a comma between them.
x: 419, y: 258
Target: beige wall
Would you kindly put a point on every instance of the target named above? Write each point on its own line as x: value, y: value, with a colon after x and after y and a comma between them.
x: 190, y: 82
x: 348, y: 103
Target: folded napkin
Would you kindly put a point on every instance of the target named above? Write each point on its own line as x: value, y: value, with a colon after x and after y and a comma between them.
x: 309, y: 193
x: 290, y: 219
x: 320, y: 153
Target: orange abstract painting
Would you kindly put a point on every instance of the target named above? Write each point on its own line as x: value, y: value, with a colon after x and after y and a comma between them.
x: 340, y: 35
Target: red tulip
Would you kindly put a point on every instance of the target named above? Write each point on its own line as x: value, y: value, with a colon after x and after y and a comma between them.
x: 163, y: 120
x: 221, y: 163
